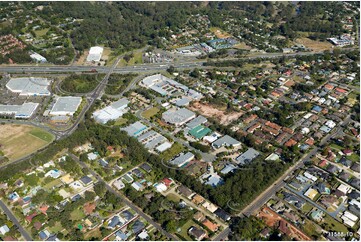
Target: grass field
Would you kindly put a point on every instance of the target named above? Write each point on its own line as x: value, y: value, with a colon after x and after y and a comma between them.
x: 314, y: 44
x: 120, y: 121
x: 185, y: 227
x: 41, y: 32
x: 77, y: 214
x: 171, y: 152
x: 354, y: 157
x: 137, y: 59
x: 18, y: 141
x: 150, y: 112
x: 335, y: 225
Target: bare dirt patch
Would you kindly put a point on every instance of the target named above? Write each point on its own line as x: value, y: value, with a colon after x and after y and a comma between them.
x: 216, y: 113
x: 314, y: 45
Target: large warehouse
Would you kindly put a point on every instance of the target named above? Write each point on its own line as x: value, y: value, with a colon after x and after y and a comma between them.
x: 29, y: 86
x: 26, y: 110
x: 178, y: 117
x: 95, y: 54
x: 65, y: 106
x: 111, y: 112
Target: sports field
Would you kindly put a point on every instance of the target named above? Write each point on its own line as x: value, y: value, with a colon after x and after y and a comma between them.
x: 17, y: 141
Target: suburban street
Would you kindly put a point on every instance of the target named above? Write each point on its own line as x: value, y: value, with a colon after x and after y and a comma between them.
x: 13, y: 219
x: 124, y: 199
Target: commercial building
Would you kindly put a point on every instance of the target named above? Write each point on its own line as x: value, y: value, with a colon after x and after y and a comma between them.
x: 151, y: 139
x: 200, y: 131
x: 182, y: 159
x: 111, y: 112
x: 135, y: 129
x: 95, y: 54
x: 26, y: 110
x: 168, y: 87
x: 247, y: 156
x: 178, y: 117
x: 38, y: 58
x: 65, y: 106
x: 197, y: 121
x: 29, y: 86
x: 226, y: 141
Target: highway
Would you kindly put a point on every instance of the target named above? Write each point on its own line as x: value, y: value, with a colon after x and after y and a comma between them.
x: 136, y: 68
x: 124, y: 199
x: 15, y: 221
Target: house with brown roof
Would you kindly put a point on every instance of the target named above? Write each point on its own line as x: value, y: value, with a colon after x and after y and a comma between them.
x: 198, y: 199
x: 211, y: 226
x: 197, y: 233
x: 290, y: 142
x: 199, y: 216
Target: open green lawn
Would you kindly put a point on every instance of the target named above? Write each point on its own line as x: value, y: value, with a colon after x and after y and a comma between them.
x: 42, y: 134
x: 335, y: 225
x: 41, y: 32
x: 56, y: 228
x: 185, y: 227
x: 150, y: 112
x: 171, y: 152
x: 77, y: 214
x: 337, y: 147
x: 21, y: 140
x: 51, y: 184
x: 173, y: 197
x: 137, y: 59
x: 309, y: 228
x: 354, y: 157
x: 120, y: 121
x: 306, y: 208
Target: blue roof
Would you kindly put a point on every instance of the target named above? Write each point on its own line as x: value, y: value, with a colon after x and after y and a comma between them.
x: 317, y: 108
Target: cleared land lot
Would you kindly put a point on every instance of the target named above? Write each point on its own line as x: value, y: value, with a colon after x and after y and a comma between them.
x: 150, y: 112
x: 213, y: 112
x: 17, y: 141
x: 313, y: 44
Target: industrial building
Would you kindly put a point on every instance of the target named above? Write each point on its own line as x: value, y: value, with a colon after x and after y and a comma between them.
x: 26, y: 110
x: 151, y: 139
x: 65, y: 106
x: 182, y: 159
x: 178, y: 117
x: 135, y: 129
x: 38, y: 58
x: 168, y: 87
x: 29, y: 86
x: 95, y: 54
x: 226, y: 141
x: 111, y: 112
x: 247, y: 157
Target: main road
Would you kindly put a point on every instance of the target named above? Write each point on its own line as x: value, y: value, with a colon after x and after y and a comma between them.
x: 124, y: 199
x: 15, y: 221
x: 136, y: 68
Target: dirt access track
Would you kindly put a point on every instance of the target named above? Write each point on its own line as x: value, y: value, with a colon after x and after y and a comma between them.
x: 210, y: 111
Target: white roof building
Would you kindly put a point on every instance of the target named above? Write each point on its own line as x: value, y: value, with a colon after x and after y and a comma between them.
x: 65, y: 106
x: 29, y: 86
x: 163, y: 147
x: 178, y: 117
x: 26, y: 110
x: 38, y: 58
x: 4, y: 229
x: 111, y: 112
x: 95, y: 54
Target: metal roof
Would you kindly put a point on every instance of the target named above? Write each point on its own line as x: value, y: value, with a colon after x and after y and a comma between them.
x: 66, y: 104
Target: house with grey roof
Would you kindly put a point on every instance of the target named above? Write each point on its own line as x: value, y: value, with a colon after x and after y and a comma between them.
x: 247, y: 157
x: 226, y: 141
x: 182, y: 159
